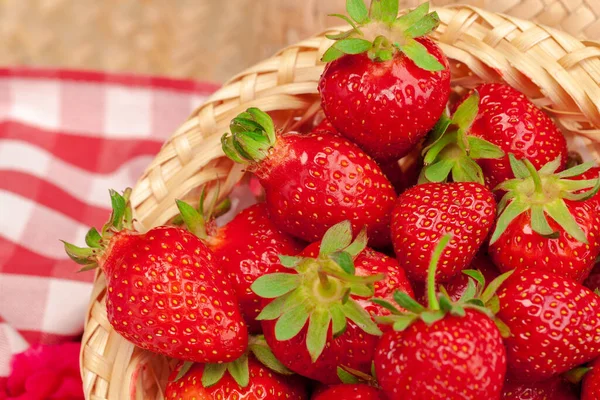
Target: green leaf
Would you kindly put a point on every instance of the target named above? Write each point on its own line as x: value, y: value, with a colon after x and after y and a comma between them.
x: 316, y: 337
x: 273, y: 310
x: 425, y: 25
x: 93, y: 238
x: 386, y: 304
x: 360, y: 317
x: 212, y: 374
x: 352, y: 45
x: 438, y: 131
x: 457, y: 311
x: 362, y: 290
x: 331, y: 54
x: 467, y: 170
x: 476, y: 302
x: 341, y: 35
x: 403, y: 321
x: 375, y: 12
x: 291, y: 323
x: 389, y: 10
x: 470, y: 292
x: 494, y: 285
x: 576, y: 375
x: 359, y: 244
x: 239, y: 371
x: 479, y: 148
x: 336, y: 238
x: 357, y: 10
x: 344, y: 260
x: 503, y: 328
x: 409, y: 19
x: 346, y: 377
x: 518, y: 167
x: 559, y: 212
x: 445, y: 303
x: 349, y: 22
x: 407, y: 302
x: 539, y: 223
x: 276, y: 284
x: 88, y: 267
x: 466, y: 112
x: 551, y: 167
x: 119, y: 204
x: 230, y: 150
x: 588, y: 194
x: 493, y: 304
x: 438, y: 146
x: 289, y: 261
x: 439, y: 171
x: 504, y: 200
x: 264, y: 355
x: 475, y: 274
x: 430, y: 317
x: 265, y: 121
x: 575, y: 171
x: 192, y: 218
x: 183, y: 370
x: 420, y: 56
x: 338, y: 320
x: 512, y: 211
x: 81, y: 255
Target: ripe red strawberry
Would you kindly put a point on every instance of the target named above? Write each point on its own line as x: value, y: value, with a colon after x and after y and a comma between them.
x: 165, y: 292
x: 555, y: 388
x: 262, y: 384
x: 426, y: 212
x: 319, y: 318
x: 504, y: 119
x: 247, y: 247
x: 592, y: 282
x: 312, y: 181
x: 568, y: 242
x: 385, y: 84
x: 554, y: 324
x: 449, y: 351
x: 357, y: 391
x: 590, y: 386
x: 455, y: 288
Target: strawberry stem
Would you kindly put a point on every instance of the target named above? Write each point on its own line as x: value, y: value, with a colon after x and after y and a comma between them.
x: 435, y: 258
x: 325, y: 284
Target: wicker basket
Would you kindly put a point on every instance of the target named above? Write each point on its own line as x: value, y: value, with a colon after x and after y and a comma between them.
x: 558, y: 71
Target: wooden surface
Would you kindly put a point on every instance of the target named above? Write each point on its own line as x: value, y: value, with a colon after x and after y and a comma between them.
x: 204, y: 39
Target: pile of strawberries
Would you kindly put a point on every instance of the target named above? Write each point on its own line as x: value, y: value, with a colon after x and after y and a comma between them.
x: 467, y: 277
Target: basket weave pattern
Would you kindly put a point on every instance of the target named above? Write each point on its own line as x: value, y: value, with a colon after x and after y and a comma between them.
x: 553, y: 68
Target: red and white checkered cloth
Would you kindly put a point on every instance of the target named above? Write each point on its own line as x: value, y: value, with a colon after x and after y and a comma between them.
x: 66, y: 137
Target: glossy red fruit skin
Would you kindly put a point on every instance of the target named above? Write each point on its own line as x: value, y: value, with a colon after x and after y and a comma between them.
x: 385, y: 107
x: 554, y: 324
x: 165, y: 293
x: 520, y: 247
x: 592, y: 282
x: 316, y: 180
x: 509, y: 120
x: 454, y: 358
x: 358, y: 391
x: 424, y: 213
x: 590, y: 386
x: 552, y: 389
x: 457, y: 286
x: 354, y: 348
x: 264, y: 385
x: 248, y: 247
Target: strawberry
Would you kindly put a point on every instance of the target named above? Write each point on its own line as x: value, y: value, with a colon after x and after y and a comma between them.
x: 554, y: 324
x: 504, y: 120
x: 455, y: 288
x: 592, y: 282
x: 348, y: 392
x: 568, y: 242
x: 385, y: 84
x: 318, y: 318
x: 448, y: 351
x: 312, y: 181
x: 425, y: 212
x: 555, y: 388
x: 248, y: 378
x: 165, y: 292
x: 247, y: 247
x: 590, y: 386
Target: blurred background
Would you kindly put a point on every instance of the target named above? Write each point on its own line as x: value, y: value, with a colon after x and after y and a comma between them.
x: 209, y: 40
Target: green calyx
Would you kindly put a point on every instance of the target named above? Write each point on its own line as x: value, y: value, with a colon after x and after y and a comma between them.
x: 451, y: 150
x: 251, y: 138
x: 318, y: 291
x: 197, y: 220
x: 542, y: 193
x: 238, y: 369
x: 120, y: 218
x: 381, y: 33
x: 477, y: 297
x: 349, y: 375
